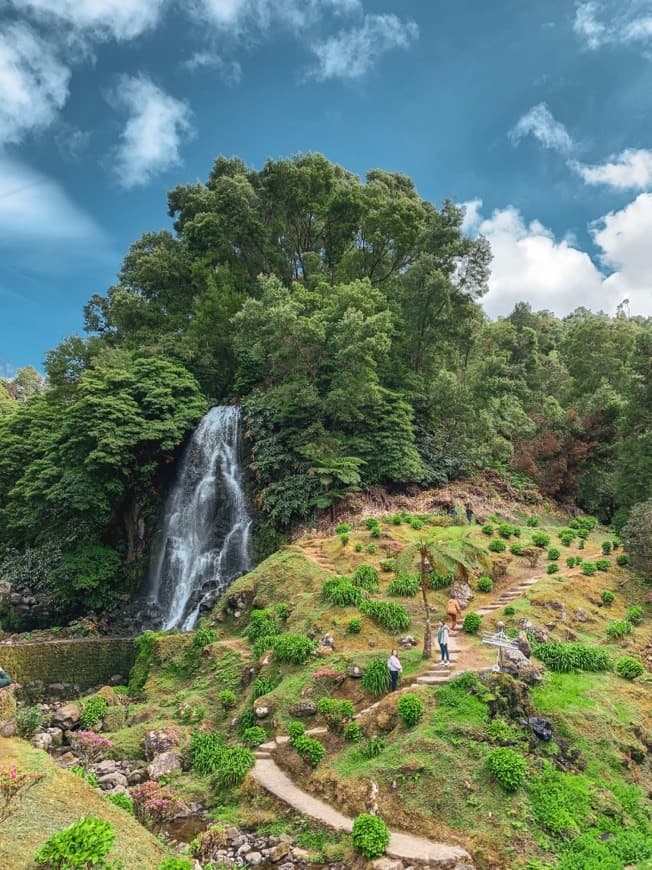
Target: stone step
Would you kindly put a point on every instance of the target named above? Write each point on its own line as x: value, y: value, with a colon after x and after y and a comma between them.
x: 259, y: 754
x: 434, y: 680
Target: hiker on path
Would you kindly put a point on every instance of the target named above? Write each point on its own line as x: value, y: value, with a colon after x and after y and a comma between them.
x: 5, y: 679
x: 469, y: 513
x: 442, y: 640
x: 453, y: 610
x: 395, y: 668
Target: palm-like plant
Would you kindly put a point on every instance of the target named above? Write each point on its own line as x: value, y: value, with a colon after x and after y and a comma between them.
x: 456, y: 557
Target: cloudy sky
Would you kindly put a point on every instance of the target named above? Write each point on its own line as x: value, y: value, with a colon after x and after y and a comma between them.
x: 537, y: 116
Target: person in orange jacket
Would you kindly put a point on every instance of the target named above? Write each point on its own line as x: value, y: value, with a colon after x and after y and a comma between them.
x: 453, y: 610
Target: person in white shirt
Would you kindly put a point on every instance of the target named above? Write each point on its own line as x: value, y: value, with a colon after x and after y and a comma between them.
x: 395, y: 668
x: 442, y: 640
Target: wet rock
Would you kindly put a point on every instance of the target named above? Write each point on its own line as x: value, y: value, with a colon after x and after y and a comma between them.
x: 163, y: 764
x: 303, y: 708
x: 68, y: 716
x: 540, y: 727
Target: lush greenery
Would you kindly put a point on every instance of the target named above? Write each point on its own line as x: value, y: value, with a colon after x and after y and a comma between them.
x: 370, y: 835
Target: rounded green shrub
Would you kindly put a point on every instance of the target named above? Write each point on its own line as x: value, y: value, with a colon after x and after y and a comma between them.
x: 619, y: 629
x: 472, y: 623
x: 629, y: 668
x: 366, y: 576
x: 607, y: 596
x: 410, y: 708
x: 405, y: 585
x: 606, y: 547
x: 123, y: 801
x: 622, y: 559
x: 497, y: 545
x: 396, y: 520
x: 353, y: 732
x: 262, y: 623
x: 92, y: 712
x: 354, y: 625
x: 540, y: 539
x: 342, y: 528
x: 254, y: 736
x: 375, y: 678
x: 487, y: 529
x: 336, y: 713
x: 570, y: 561
x: 235, y: 763
x: 580, y: 544
x: 370, y: 835
x: 227, y: 698
x: 635, y: 614
x: 388, y: 565
x: 342, y: 592
x: 516, y: 549
x: 516, y: 531
x: 485, y: 584
x: 85, y: 843
x: 589, y: 568
x: 295, y: 730
x: 532, y: 522
x: 508, y: 767
x: 29, y: 721
x: 293, y: 649
x: 204, y: 636
x: 391, y: 616
x: 371, y: 523
x: 583, y: 534
x: 310, y: 750
x: 505, y: 530
x: 358, y: 547
x: 206, y: 750
x: 553, y: 554
x: 602, y: 564
x: 510, y: 610
x: 416, y: 524
x: 344, y: 539
x: 371, y: 549
x: 552, y: 568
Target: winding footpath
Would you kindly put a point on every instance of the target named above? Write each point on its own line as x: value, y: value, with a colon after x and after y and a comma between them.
x: 403, y: 847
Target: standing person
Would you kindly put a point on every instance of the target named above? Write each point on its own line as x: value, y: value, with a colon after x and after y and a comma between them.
x: 442, y: 640
x: 453, y: 610
x: 395, y: 668
x: 469, y: 513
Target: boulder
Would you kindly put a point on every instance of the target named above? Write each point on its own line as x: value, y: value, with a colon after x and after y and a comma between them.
x: 109, y: 694
x: 514, y: 662
x: 157, y: 742
x: 68, y: 716
x: 354, y: 671
x: 106, y: 766
x: 581, y: 615
x: 163, y: 764
x: 328, y: 641
x: 262, y: 711
x: 387, y: 864
x: 461, y: 590
x: 408, y: 641
x: 253, y: 859
x: 540, y: 727
x: 523, y: 644
x: 42, y: 740
x: 57, y: 736
x: 112, y: 780
x: 303, y: 708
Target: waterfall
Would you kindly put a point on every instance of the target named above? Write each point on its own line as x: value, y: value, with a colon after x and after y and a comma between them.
x: 205, y: 538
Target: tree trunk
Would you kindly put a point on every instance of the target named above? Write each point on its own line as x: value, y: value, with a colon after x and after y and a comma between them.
x: 427, y: 634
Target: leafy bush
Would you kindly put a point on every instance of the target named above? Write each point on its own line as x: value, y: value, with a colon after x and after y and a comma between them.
x: 622, y: 559
x: 510, y: 610
x: 516, y: 531
x: 582, y: 534
x: 508, y: 767
x: 500, y: 731
x: 497, y: 545
x: 366, y: 576
x: 635, y: 614
x: 310, y: 750
x: 293, y: 649
x: 416, y: 524
x: 122, y: 800
x: 29, y: 721
x: 606, y: 547
x: 262, y: 623
x: 406, y: 585
x: 553, y: 554
x: 176, y: 864
x: 440, y: 581
x: 488, y: 529
x: 602, y: 564
x: 566, y: 657
x: 227, y: 698
x: 344, y: 539
x: 560, y: 802
x: 372, y: 747
x: 580, y: 544
x: 505, y: 530
x: 607, y: 596
x: 396, y: 520
x: 342, y: 592
x: 516, y: 549
x: 370, y: 835
x: 394, y: 617
x: 472, y: 623
x: 254, y: 736
x: 371, y: 523
x: 92, y: 712
x: 371, y: 549
x: 552, y: 568
x: 485, y: 584
x: 589, y: 568
x: 295, y: 730
x: 532, y: 522
x: 84, y: 844
x: 571, y: 561
x: 388, y: 564
x: 358, y: 547
x: 262, y: 686
x: 375, y: 678
x: 629, y: 668
x: 619, y: 629
x: 206, y: 750
x: 354, y: 625
x: 204, y: 636
x: 336, y: 713
x: 155, y: 805
x: 587, y: 523
x: 410, y: 708
x: 540, y: 539
x: 89, y: 746
x: 342, y: 528
x: 235, y: 763
x: 353, y: 732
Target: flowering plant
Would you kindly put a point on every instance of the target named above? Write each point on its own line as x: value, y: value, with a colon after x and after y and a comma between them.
x: 155, y: 804
x: 89, y: 746
x: 13, y: 786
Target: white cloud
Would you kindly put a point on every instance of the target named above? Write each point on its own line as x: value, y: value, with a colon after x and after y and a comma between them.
x: 229, y: 70
x: 541, y: 123
x: 156, y: 126
x: 237, y: 16
x: 530, y: 264
x: 603, y: 22
x: 117, y: 19
x: 472, y: 215
x: 629, y: 170
x: 33, y: 207
x: 351, y: 53
x: 33, y: 82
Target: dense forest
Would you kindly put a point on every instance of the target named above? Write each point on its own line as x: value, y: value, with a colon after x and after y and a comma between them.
x: 344, y: 316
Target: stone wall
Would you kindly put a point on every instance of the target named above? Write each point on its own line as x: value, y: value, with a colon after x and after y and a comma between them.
x: 86, y: 662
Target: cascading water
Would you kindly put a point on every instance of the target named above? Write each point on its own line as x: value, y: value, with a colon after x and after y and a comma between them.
x: 205, y: 539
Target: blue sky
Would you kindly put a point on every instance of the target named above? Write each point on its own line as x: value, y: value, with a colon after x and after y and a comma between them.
x: 535, y: 115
